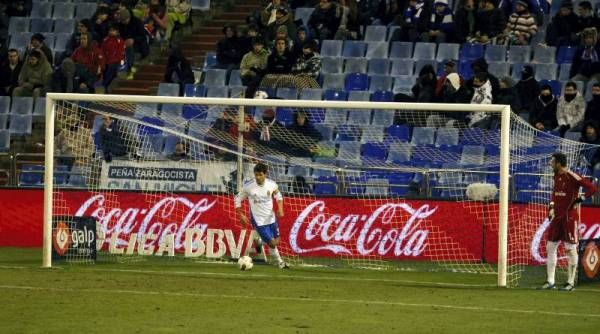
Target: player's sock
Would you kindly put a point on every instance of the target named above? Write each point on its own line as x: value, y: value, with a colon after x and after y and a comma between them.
x: 275, y: 254
x: 572, y: 260
x: 551, y: 248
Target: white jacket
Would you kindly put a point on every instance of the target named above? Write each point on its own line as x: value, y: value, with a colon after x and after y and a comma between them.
x: 570, y: 113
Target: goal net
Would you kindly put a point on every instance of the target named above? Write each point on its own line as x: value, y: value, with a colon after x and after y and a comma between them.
x: 365, y: 184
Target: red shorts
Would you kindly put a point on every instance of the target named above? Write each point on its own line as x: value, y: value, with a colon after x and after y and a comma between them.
x: 564, y: 229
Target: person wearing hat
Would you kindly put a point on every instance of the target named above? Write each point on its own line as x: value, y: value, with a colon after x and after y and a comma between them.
x: 543, y: 112
x: 37, y: 43
x: 586, y: 60
x: 489, y: 23
x: 564, y: 26
x: 253, y: 65
x: 309, y: 63
x: 521, y: 25
x: 441, y: 24
x: 133, y: 33
x: 415, y: 21
x: 229, y: 53
x: 449, y: 67
x: 527, y: 88
x: 35, y: 76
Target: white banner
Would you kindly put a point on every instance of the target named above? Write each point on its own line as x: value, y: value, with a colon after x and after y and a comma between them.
x: 205, y: 176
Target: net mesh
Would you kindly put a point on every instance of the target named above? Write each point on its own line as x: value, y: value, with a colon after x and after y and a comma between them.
x: 362, y: 187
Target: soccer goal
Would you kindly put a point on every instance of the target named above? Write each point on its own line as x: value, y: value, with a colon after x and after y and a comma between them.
x: 378, y: 185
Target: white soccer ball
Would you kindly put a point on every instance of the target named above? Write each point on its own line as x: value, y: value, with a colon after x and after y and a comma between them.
x: 245, y: 263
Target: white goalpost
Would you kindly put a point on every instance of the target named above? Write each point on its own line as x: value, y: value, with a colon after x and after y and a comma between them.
x: 321, y: 190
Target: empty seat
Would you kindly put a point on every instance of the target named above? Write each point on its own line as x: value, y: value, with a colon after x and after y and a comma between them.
x: 18, y: 24
x: 347, y: 133
x: 194, y: 90
x: 20, y: 124
x: 377, y: 187
x: 424, y: 51
x: 171, y: 109
x: 564, y: 72
x: 311, y: 94
x: 471, y: 51
x: 377, y: 50
x: 446, y: 136
x: 517, y: 69
x: 447, y: 51
x: 86, y: 10
x: 235, y: 79
x: 331, y: 48
x: 399, y: 152
x: 4, y: 139
x: 41, y: 9
x: 404, y: 83
x: 401, y: 50
x: 472, y: 155
x: 335, y: 95
x: 325, y: 185
x: 22, y: 105
x: 375, y: 33
x: 544, y: 54
x: 42, y: 25
x: 354, y: 49
x: 419, y: 64
x: 222, y: 91
x: 349, y: 150
x: 499, y: 69
x: 20, y: 41
x: 168, y: 89
x: 423, y: 136
x: 545, y: 71
x: 210, y: 60
x: 214, y: 77
x: 237, y: 91
x: 381, y: 83
x: 326, y: 132
x: 335, y: 116
x: 359, y: 117
x: 519, y: 54
x: 357, y: 81
x: 355, y: 65
x: 303, y: 14
x: 40, y: 107
x: 4, y: 104
x: 332, y: 64
x: 287, y: 93
x: 495, y: 53
x: 374, y: 133
x: 358, y: 95
x: 402, y: 67
x: 565, y: 54
x: 31, y: 175
x: 61, y: 42
x: 63, y: 10
x: 379, y: 66
x: 383, y: 117
x: 64, y: 25
x: 333, y: 80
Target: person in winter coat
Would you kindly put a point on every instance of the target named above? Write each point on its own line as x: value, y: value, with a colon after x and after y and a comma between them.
x: 9, y: 73
x: 324, y: 21
x: 179, y: 70
x: 37, y: 43
x: 542, y: 114
x: 89, y: 61
x: 309, y: 63
x: 253, y: 66
x: 441, y: 24
x: 35, y: 76
x: 229, y: 51
x: 481, y: 65
x: 465, y: 21
x: 281, y: 60
x: 113, y: 48
x: 508, y: 94
x: 590, y: 134
x: 489, y: 23
x: 424, y: 88
x: 415, y: 22
x: 132, y: 31
x: 592, y: 110
x: 527, y: 89
x: 482, y: 94
x: 521, y: 25
x: 586, y: 60
x: 564, y: 26
x: 570, y: 111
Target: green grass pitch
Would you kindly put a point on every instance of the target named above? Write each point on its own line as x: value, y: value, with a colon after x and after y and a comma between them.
x: 182, y: 296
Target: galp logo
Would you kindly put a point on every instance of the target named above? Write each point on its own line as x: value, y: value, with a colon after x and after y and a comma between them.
x: 591, y: 257
x: 61, y: 238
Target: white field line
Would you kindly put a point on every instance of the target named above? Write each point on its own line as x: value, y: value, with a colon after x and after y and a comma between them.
x: 297, y: 299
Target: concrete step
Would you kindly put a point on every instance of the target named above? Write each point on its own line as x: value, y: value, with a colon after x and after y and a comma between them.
x: 235, y: 15
x: 138, y: 83
x: 131, y: 91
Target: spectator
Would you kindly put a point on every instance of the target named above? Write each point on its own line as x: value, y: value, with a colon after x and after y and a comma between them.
x: 416, y: 20
x: 282, y: 33
x: 245, y: 40
x: 592, y: 110
x: 309, y: 63
x: 111, y: 140
x: 453, y: 91
x: 179, y: 154
x: 268, y: 16
x: 369, y: 11
x: 586, y: 18
x: 521, y: 25
x: 281, y: 60
x: 302, y: 126
x: 570, y: 111
x: 482, y: 94
x: 90, y: 62
x: 18, y: 7
x: 224, y: 131
x: 480, y: 65
x: 527, y: 89
x: 304, y: 137
x: 158, y: 23
x: 389, y: 12
x: 508, y: 94
x: 35, y: 76
x: 132, y: 31
x: 424, y: 88
x: 449, y: 67
x: 349, y: 27
x: 543, y: 112
x: 229, y: 51
x: 253, y: 65
x: 299, y: 42
x: 324, y: 21
x: 37, y: 43
x: 271, y: 133
x: 9, y: 73
x: 564, y: 26
x: 83, y: 28
x: 179, y: 70
x: 100, y: 23
x: 284, y: 20
x: 590, y: 135
x: 441, y: 24
x: 75, y: 144
x: 113, y: 48
x: 178, y: 12
x: 586, y: 60
x: 489, y: 23
x: 466, y: 22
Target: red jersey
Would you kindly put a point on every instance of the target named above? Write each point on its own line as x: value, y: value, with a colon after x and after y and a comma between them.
x: 566, y: 191
x: 91, y: 57
x: 113, y: 49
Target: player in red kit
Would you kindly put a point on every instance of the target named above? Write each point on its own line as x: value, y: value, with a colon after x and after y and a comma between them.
x: 564, y: 218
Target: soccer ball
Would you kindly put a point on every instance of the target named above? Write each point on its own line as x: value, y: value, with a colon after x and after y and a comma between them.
x: 245, y: 263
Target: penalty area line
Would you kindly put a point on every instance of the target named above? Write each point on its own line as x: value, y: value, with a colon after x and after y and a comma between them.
x: 298, y: 299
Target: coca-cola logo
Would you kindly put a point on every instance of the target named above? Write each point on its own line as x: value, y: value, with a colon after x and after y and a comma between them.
x: 380, y: 233
x: 170, y: 215
x: 585, y: 232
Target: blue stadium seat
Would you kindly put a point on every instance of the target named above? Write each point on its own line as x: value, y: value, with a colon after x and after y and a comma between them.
x: 20, y: 124
x: 519, y: 54
x: 39, y: 109
x: 215, y: 77
x: 472, y: 136
x: 333, y: 81
x: 22, y: 105
x: 237, y: 91
x: 64, y: 26
x: 31, y: 175
x: 349, y: 150
x: 152, y: 145
x: 146, y: 109
x: 402, y: 67
x: 565, y: 54
x: 284, y: 116
x: 287, y: 93
x: 222, y: 91
x: 424, y: 51
x: 359, y: 117
x: 150, y: 130
x: 4, y: 104
x: 86, y: 10
x: 564, y: 72
x: 377, y: 50
x: 335, y: 95
x: 471, y: 51
x: 446, y: 136
x: 325, y: 185
x: 355, y: 65
x: 546, y: 71
x: 399, y: 183
x: 347, y: 133
x: 404, y: 83
x: 399, y: 132
x: 235, y: 79
x: 399, y: 152
x: 331, y: 48
x: 472, y: 155
x: 419, y: 64
x: 63, y: 10
x: 495, y: 53
x: 354, y: 49
x: 41, y: 9
x: 544, y: 54
x: 42, y: 25
x: 499, y: 69
x: 77, y: 178
x: 303, y: 14
x: 192, y: 90
x: 555, y: 84
x: 210, y: 61
x: 332, y: 64
x: 358, y: 95
x: 169, y: 144
x: 381, y: 82
x: 372, y: 133
x: 4, y: 137
x: 374, y: 151
x: 423, y: 136
x: 401, y: 50
x: 447, y: 51
x: 299, y: 169
x: 464, y: 69
x: 62, y: 39
x: 4, y: 121
x: 18, y: 25
x: 20, y: 41
x: 375, y: 33
x: 356, y: 81
x: 517, y: 69
x: 325, y: 130
x: 382, y: 96
x: 311, y: 94
x: 377, y: 187
x: 335, y: 116
x: 171, y: 109
x: 379, y: 66
x: 168, y: 89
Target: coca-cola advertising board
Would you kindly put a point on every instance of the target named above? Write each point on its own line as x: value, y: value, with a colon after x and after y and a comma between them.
x: 323, y: 227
